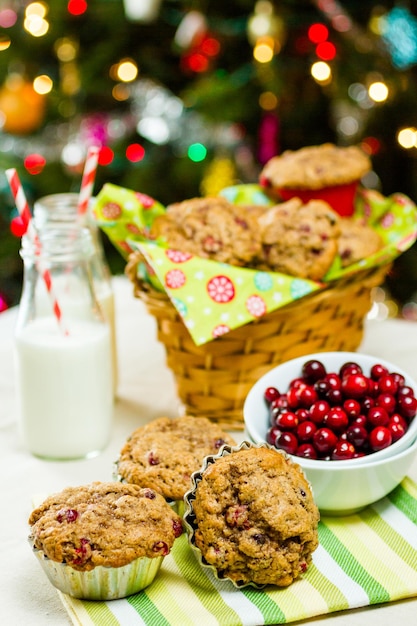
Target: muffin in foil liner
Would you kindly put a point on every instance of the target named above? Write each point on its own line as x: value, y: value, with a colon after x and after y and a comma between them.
x: 100, y: 583
x: 189, y: 517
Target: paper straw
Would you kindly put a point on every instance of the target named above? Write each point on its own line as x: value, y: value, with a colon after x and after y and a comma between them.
x: 87, y: 181
x: 26, y: 215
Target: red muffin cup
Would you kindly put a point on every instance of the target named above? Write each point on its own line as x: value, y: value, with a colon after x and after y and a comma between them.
x: 340, y: 197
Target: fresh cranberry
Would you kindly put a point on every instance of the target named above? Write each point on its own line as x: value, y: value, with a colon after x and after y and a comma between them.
x: 302, y: 414
x: 357, y: 435
x: 336, y: 419
x: 293, y: 399
x: 324, y: 440
x: 279, y: 403
x: 287, y: 441
x: 270, y: 394
x: 388, y: 384
x: 397, y: 430
x: 407, y: 406
x: 335, y: 396
x: 322, y: 387
x: 307, y: 451
x: 373, y: 388
x: 287, y: 420
x: 297, y: 383
x: 350, y: 368
x: 361, y: 420
x: 399, y: 378
x: 307, y: 396
x: 352, y: 407
x: 343, y: 450
x: 334, y: 380
x: 405, y: 390
x: 313, y: 370
x: 305, y: 431
x: 367, y: 403
x: 380, y: 438
x: 388, y: 401
x: 378, y: 416
x: 318, y: 411
x: 272, y: 435
x: 396, y: 418
x: 377, y: 371
x: 355, y: 386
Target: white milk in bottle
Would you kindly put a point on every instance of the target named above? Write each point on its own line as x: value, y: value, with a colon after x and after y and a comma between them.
x: 63, y: 366
x: 62, y: 209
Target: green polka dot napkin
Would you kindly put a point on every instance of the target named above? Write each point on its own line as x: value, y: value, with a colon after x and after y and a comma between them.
x: 364, y: 559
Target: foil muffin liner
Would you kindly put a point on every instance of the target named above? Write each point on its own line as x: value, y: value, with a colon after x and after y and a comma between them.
x: 100, y: 583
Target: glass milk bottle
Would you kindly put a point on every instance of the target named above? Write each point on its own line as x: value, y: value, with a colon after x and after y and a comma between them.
x: 63, y: 365
x: 62, y: 208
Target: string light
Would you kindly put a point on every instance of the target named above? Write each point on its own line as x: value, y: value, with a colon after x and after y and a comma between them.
x: 127, y: 70
x: 407, y: 137
x: 77, y: 7
x: 135, y: 152
x: 321, y: 72
x: 378, y: 91
x: 317, y: 33
x: 326, y: 51
x: 42, y: 84
x: 263, y: 51
x: 197, y: 152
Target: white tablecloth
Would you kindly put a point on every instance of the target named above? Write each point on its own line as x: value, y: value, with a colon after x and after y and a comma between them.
x: 146, y: 390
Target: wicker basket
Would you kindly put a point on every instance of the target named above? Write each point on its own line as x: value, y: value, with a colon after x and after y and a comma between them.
x: 214, y: 379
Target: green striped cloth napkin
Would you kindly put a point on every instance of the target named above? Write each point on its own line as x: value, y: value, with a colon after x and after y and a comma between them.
x: 364, y: 559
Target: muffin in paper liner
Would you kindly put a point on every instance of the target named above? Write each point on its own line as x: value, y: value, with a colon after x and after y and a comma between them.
x: 310, y: 522
x: 163, y: 453
x: 101, y: 583
x: 103, y: 540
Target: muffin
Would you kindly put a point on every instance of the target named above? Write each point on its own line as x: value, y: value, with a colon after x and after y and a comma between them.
x: 300, y: 239
x: 104, y: 540
x: 164, y: 453
x: 357, y: 241
x: 325, y: 172
x: 211, y: 228
x: 251, y: 517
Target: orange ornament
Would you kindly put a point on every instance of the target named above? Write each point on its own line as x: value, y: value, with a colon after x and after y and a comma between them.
x: 22, y: 110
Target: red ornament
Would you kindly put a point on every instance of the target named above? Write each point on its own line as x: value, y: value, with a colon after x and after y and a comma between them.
x: 34, y: 163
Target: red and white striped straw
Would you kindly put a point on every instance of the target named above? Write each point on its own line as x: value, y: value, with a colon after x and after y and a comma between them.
x: 26, y: 215
x: 88, y: 178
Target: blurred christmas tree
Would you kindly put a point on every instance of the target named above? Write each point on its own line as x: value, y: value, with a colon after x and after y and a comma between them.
x: 186, y: 97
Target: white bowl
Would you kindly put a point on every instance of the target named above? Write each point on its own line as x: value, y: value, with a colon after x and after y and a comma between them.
x: 339, y: 487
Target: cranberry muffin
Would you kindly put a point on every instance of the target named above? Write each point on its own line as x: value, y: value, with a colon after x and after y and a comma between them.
x: 326, y: 172
x: 251, y: 516
x: 357, y: 241
x: 164, y: 453
x: 211, y: 228
x: 103, y: 541
x: 300, y: 239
